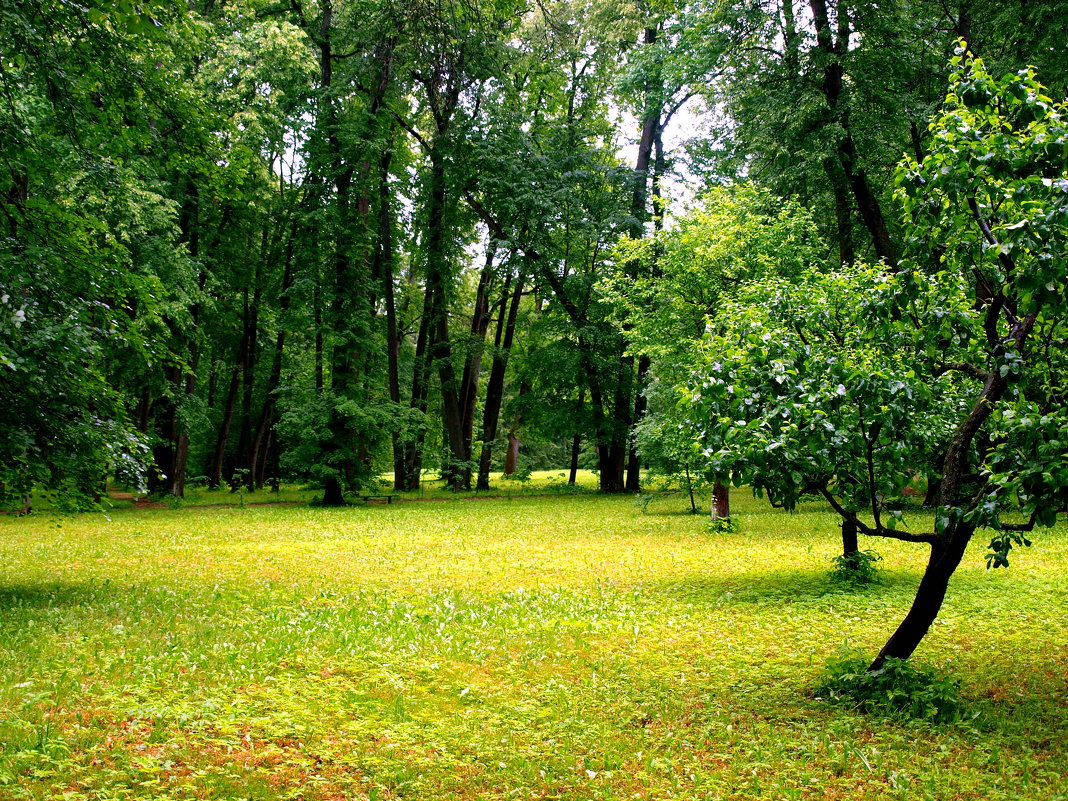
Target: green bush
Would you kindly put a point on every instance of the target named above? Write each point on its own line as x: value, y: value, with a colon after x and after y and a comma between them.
x: 723, y: 525
x: 898, y: 688
x: 858, y: 567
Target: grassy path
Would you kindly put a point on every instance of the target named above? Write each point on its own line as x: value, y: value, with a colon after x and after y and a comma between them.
x: 563, y: 647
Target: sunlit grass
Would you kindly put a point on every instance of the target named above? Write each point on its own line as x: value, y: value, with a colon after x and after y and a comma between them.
x: 533, y: 645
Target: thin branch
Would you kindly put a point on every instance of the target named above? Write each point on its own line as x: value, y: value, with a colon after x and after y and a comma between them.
x: 984, y: 226
x: 962, y: 367
x: 1028, y: 526
x: 404, y: 124
x: 904, y: 536
x: 861, y: 525
x: 871, y: 471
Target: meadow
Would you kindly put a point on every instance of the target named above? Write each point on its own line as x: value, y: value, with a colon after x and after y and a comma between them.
x: 526, y: 646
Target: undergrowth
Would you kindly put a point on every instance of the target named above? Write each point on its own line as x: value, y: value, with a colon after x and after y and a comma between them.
x: 858, y: 567
x: 898, y: 688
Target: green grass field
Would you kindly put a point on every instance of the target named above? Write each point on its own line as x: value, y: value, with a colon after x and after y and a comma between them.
x: 519, y: 647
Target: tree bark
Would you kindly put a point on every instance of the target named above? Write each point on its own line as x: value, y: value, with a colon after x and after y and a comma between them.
x: 576, y: 443
x: 833, y: 48
x: 495, y: 388
x: 720, y: 506
x: 413, y: 444
x: 944, y: 558
x: 480, y: 321
x: 511, y: 456
x: 850, y: 544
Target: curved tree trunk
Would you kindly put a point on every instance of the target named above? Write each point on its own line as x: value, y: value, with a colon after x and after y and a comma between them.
x: 944, y: 559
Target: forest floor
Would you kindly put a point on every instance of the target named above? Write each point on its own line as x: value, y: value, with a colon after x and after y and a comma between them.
x: 573, y: 646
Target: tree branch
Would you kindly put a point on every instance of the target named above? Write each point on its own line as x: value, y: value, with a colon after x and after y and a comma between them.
x: 904, y: 536
x: 962, y: 367
x: 1028, y: 526
x: 984, y: 226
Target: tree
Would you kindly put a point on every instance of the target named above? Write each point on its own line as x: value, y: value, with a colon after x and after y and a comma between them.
x: 737, y: 235
x: 953, y: 365
x: 90, y: 268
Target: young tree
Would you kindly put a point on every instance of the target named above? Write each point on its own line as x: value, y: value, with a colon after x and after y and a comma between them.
x: 738, y: 234
x: 954, y: 365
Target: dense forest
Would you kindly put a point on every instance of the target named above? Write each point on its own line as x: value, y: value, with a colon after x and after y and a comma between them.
x: 333, y: 239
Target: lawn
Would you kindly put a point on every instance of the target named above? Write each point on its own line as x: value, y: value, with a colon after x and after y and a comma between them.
x: 523, y: 646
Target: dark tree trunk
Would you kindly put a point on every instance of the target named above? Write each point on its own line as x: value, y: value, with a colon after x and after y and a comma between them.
x: 511, y: 453
x: 248, y: 380
x: 576, y: 451
x: 495, y: 388
x: 834, y: 49
x: 611, y: 459
x: 215, y: 476
x: 393, y: 340
x: 640, y: 406
x: 413, y: 444
x: 333, y: 495
x: 274, y: 380
x: 943, y: 561
x: 842, y: 216
x: 441, y: 348
x: 850, y: 544
x: 689, y: 490
x: 480, y: 320
x: 576, y: 443
x: 948, y: 548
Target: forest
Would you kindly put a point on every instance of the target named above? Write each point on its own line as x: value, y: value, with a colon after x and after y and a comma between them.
x: 254, y: 241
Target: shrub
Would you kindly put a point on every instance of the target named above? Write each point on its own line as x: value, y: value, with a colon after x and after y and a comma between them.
x: 858, y: 567
x: 898, y: 688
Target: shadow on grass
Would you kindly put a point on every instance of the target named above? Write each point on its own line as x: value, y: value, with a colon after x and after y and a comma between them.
x: 792, y: 585
x: 43, y: 596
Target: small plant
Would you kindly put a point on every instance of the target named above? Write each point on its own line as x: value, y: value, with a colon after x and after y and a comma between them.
x: 897, y: 688
x: 723, y: 525
x: 859, y: 567
x: 521, y: 474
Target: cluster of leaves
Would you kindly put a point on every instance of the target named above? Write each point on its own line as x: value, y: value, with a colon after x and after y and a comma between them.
x: 808, y: 388
x: 991, y: 200
x: 897, y: 688
x: 858, y: 567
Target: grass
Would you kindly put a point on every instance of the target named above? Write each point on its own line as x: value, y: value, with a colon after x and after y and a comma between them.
x: 433, y: 488
x: 561, y: 646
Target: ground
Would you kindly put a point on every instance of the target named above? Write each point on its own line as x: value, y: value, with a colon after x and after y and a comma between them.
x: 562, y: 646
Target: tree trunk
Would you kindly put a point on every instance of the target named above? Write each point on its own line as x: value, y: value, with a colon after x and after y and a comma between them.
x: 640, y: 405
x: 441, y: 348
x: 576, y: 443
x: 850, y: 545
x: 274, y: 380
x: 480, y: 320
x: 720, y: 506
x: 215, y: 476
x: 248, y: 378
x: 833, y: 50
x: 495, y: 389
x: 393, y: 339
x: 611, y: 459
x: 943, y: 561
x: 413, y: 444
x: 333, y: 495
x: 511, y: 456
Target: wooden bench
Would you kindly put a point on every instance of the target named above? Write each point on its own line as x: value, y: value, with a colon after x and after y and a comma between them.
x: 369, y: 498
